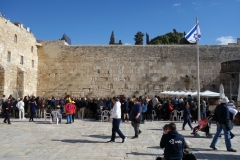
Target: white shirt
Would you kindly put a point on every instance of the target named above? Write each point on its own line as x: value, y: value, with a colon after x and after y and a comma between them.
x: 116, y: 111
x: 20, y: 105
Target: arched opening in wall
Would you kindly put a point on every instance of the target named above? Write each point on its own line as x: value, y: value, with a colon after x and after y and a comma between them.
x: 2, y: 81
x: 20, y: 82
x: 15, y: 38
x: 32, y: 49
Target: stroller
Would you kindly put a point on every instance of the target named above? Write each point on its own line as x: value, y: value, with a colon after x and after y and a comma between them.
x: 204, y: 126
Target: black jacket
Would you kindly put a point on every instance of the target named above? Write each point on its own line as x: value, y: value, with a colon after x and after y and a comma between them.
x: 173, y: 142
x: 7, y: 107
x: 221, y: 114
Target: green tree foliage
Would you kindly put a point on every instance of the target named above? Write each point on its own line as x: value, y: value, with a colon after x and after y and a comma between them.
x: 139, y: 38
x: 147, y: 38
x: 112, y: 39
x: 170, y: 38
x: 120, y: 42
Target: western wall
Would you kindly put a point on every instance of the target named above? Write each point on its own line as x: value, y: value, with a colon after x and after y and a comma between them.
x: 100, y: 71
x: 45, y: 68
x: 18, y: 59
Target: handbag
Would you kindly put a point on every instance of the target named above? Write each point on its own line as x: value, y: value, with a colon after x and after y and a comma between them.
x: 170, y: 107
x: 229, y: 125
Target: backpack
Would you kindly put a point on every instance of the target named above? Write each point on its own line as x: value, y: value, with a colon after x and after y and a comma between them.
x: 144, y: 108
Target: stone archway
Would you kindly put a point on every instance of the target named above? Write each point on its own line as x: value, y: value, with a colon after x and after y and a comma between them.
x: 20, y: 82
x: 2, y: 80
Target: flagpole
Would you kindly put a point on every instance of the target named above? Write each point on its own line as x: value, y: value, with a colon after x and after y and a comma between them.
x: 198, y: 79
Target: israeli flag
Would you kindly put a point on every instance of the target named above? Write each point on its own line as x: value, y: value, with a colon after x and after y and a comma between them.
x: 194, y: 34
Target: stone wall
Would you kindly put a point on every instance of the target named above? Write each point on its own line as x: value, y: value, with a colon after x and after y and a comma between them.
x: 17, y: 78
x: 99, y: 71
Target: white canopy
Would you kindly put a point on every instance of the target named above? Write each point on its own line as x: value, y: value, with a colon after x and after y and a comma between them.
x: 206, y: 93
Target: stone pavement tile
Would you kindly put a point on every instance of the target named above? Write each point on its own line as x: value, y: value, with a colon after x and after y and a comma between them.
x: 87, y: 140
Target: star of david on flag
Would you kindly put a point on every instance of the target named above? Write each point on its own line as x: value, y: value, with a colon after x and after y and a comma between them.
x: 194, y: 34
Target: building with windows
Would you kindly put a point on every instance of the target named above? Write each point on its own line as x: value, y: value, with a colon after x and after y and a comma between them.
x: 18, y: 59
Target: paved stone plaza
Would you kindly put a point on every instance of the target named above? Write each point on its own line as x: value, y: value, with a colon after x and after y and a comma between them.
x: 87, y: 140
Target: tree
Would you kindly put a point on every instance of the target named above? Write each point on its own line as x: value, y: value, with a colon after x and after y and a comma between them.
x: 147, y: 38
x: 139, y: 38
x: 112, y: 39
x: 120, y: 42
x: 170, y: 38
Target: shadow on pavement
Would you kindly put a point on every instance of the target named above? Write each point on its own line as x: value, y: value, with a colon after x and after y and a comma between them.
x: 77, y: 141
x: 98, y: 136
x: 216, y: 156
x: 154, y: 147
x: 156, y: 129
x: 143, y: 154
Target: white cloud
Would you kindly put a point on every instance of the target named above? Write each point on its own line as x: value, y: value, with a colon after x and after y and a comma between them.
x: 126, y: 44
x: 226, y: 39
x: 176, y: 4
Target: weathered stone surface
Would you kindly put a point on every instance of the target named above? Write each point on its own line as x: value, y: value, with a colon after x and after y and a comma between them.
x: 16, y: 77
x: 135, y: 69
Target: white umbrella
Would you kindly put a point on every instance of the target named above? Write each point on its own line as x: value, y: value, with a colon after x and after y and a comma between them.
x: 221, y: 91
x: 208, y: 93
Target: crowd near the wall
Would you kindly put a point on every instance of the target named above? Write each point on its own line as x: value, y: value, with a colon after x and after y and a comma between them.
x: 90, y: 107
x: 135, y: 109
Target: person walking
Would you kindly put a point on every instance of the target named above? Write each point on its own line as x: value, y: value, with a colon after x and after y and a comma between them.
x: 135, y: 117
x: 20, y: 106
x: 7, y: 106
x: 116, y: 116
x: 187, y: 117
x: 222, y: 118
x: 193, y: 111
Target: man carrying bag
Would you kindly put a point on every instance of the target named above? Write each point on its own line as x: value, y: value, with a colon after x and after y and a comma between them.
x: 222, y: 117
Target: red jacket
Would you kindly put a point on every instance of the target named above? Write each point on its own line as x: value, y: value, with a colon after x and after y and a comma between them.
x: 69, y: 108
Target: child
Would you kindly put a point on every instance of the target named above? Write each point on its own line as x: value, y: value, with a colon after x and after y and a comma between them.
x: 165, y: 129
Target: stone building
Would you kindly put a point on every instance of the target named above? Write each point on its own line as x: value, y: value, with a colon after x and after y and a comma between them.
x: 46, y: 68
x: 18, y: 59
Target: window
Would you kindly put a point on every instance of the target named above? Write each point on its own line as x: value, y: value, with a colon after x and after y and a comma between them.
x: 32, y: 49
x: 32, y: 63
x: 21, y: 60
x: 15, y: 38
x: 9, y: 56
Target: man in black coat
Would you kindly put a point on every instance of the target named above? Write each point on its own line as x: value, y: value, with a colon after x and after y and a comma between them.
x: 174, y: 143
x: 7, y: 109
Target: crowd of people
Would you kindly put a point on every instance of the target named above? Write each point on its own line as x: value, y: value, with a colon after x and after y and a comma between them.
x: 137, y: 110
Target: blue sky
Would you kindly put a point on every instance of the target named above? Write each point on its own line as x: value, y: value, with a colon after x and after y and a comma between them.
x: 92, y: 21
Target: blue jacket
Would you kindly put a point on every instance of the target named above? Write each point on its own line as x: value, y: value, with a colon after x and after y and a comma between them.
x: 221, y: 114
x: 186, y: 113
x: 137, y: 108
x: 33, y: 107
x: 173, y: 142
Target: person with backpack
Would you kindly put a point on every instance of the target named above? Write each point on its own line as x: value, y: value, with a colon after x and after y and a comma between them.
x: 69, y: 108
